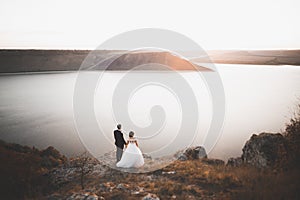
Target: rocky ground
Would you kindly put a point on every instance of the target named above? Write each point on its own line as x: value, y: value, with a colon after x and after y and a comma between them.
x: 267, y: 169
x: 255, y: 175
x: 188, y: 179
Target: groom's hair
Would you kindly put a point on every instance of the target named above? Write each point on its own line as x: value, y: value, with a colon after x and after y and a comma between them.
x: 119, y: 126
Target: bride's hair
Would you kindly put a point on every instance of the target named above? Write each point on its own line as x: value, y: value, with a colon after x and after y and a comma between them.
x: 131, y: 134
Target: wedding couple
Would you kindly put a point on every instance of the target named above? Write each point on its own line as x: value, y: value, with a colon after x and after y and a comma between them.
x: 132, y: 155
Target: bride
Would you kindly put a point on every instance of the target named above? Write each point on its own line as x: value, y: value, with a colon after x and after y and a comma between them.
x: 132, y: 156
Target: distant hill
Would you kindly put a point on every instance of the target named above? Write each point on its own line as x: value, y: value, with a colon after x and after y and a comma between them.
x: 12, y: 61
x: 70, y: 60
x: 266, y: 57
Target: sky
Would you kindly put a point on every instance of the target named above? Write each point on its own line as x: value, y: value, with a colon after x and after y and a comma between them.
x: 213, y: 24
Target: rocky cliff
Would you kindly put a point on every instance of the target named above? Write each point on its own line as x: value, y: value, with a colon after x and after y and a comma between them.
x: 265, y: 149
x: 269, y: 150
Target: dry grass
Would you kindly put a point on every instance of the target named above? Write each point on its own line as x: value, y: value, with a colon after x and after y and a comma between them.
x: 263, y: 184
x: 195, y: 179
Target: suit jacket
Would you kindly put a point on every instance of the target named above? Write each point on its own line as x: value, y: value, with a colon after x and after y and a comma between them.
x: 119, y: 139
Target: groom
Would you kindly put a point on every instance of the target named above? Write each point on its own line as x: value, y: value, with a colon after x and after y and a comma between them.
x: 119, y: 142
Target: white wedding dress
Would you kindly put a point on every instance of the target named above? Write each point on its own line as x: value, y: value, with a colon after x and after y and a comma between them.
x: 132, y: 156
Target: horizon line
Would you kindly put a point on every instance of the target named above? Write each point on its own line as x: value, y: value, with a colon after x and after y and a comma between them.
x: 91, y: 49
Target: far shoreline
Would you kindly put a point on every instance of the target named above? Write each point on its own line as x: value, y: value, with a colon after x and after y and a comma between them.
x: 13, y: 61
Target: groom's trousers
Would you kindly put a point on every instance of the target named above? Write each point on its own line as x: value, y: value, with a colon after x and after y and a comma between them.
x: 119, y: 153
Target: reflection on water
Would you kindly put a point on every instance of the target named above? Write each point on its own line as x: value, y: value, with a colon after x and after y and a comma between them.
x: 36, y: 109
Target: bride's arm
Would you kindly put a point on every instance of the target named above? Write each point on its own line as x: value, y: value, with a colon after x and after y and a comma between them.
x: 136, y: 143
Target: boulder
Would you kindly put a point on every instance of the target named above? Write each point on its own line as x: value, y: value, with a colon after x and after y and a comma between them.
x: 192, y: 153
x: 150, y: 196
x: 234, y: 162
x: 264, y: 150
x: 182, y: 157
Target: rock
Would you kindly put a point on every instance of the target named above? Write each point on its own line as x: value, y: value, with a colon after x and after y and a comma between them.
x: 51, y: 151
x: 138, y: 190
x: 192, y: 153
x: 170, y: 172
x: 234, y: 162
x: 92, y: 197
x: 146, y: 156
x: 150, y: 196
x: 182, y: 157
x: 264, y: 150
x: 78, y: 196
x: 52, y: 157
x: 135, y: 192
x: 149, y: 178
x: 121, y: 186
x: 213, y: 161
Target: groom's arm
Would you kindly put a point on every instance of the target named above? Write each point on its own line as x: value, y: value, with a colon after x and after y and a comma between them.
x: 115, y: 135
x: 123, y: 139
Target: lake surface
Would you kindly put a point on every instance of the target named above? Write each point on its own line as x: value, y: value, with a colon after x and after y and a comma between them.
x: 37, y: 109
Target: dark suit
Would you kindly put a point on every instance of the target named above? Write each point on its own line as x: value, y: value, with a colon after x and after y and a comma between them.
x: 119, y: 142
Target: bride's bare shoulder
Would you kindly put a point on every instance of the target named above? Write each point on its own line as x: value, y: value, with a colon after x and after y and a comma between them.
x: 131, y: 139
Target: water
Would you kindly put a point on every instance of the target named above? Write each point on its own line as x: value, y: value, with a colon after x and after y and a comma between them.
x: 37, y: 109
